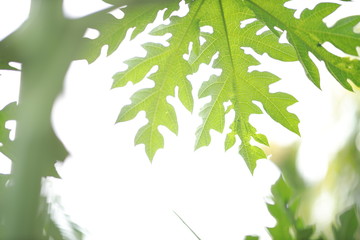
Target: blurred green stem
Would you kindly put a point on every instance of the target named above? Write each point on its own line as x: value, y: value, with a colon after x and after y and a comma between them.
x: 46, y: 45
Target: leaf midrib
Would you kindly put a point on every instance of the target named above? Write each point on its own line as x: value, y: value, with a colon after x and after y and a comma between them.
x: 224, y: 83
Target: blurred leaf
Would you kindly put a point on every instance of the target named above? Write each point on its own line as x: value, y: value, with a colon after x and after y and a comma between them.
x: 6, y: 114
x: 55, y: 146
x: 280, y: 211
x: 251, y: 238
x: 53, y: 231
x: 347, y: 226
x: 285, y: 157
x: 58, y: 153
x: 6, y: 55
x: 4, y: 65
x: 284, y: 209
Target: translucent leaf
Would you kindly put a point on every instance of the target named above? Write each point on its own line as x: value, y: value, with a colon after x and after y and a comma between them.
x: 308, y: 33
x: 171, y: 73
x: 112, y: 31
x: 236, y: 84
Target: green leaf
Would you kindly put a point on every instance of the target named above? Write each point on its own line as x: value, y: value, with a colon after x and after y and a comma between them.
x: 6, y: 114
x: 251, y: 238
x: 7, y: 53
x: 280, y: 211
x: 236, y: 84
x: 349, y: 223
x: 59, y: 227
x: 308, y: 33
x: 112, y: 31
x: 53, y: 230
x: 173, y: 70
x: 4, y: 178
x: 4, y: 65
x: 171, y: 73
x: 284, y: 209
x: 55, y: 146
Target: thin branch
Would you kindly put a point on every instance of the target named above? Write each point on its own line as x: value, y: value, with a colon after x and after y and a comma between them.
x: 187, y: 225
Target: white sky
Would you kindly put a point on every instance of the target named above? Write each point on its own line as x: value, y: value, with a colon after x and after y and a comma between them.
x: 109, y: 186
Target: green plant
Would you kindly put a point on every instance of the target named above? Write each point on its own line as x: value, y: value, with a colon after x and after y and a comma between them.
x: 290, y: 226
x: 49, y: 39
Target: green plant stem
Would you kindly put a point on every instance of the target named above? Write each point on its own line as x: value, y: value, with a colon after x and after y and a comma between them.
x: 187, y: 225
x: 46, y: 46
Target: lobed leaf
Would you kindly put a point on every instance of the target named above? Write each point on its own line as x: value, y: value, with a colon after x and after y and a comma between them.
x: 244, y: 90
x: 236, y: 84
x: 112, y: 31
x: 171, y: 73
x: 309, y: 33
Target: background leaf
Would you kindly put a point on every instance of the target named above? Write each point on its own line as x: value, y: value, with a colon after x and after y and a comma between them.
x: 349, y: 223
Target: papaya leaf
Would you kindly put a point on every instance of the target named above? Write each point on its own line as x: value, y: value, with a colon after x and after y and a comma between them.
x: 309, y: 33
x: 112, y: 31
x: 235, y: 84
x: 172, y: 72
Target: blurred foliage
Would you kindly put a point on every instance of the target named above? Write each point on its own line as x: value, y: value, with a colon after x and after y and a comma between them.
x: 349, y: 224
x: 291, y: 226
x: 48, y: 42
x: 251, y: 238
x: 52, y: 230
x: 288, y: 226
x: 6, y: 114
x: 341, y: 182
x: 49, y: 222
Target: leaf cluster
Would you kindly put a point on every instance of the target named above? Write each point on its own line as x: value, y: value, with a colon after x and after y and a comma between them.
x: 289, y: 225
x: 284, y: 208
x: 236, y: 25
